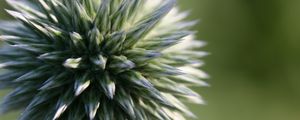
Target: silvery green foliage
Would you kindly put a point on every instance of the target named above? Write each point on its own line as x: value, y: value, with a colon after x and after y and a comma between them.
x: 99, y: 60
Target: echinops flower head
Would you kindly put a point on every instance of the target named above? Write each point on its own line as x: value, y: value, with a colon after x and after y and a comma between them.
x: 100, y: 60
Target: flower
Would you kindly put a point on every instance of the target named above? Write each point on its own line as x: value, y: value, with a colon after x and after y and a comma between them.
x: 100, y: 60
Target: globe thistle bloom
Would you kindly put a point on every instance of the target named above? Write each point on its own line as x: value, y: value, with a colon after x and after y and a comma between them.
x: 99, y: 60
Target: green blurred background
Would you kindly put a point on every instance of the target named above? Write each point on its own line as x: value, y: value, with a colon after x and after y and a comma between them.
x: 255, y: 60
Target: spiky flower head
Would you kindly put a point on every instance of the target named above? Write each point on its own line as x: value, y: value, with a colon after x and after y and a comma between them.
x: 99, y: 60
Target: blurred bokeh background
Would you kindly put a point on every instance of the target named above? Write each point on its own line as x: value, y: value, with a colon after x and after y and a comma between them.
x: 255, y: 60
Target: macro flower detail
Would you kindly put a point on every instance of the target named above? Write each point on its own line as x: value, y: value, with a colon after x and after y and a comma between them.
x: 99, y: 60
